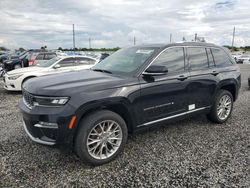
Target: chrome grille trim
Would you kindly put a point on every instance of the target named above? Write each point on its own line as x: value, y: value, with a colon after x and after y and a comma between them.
x: 28, y: 99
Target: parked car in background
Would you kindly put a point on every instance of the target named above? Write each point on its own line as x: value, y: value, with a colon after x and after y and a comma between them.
x: 3, y: 57
x: 23, y: 60
x: 244, y: 59
x: 133, y: 89
x: 13, y: 80
x: 43, y: 57
x: 20, y: 62
x: 103, y: 56
x: 236, y: 55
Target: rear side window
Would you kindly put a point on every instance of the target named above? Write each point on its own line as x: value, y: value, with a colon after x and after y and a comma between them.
x: 49, y: 56
x: 197, y: 58
x: 39, y: 57
x: 220, y: 57
x: 172, y: 58
x: 84, y: 61
x: 67, y: 62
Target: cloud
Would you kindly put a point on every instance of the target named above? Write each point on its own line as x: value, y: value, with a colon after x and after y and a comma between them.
x: 35, y: 23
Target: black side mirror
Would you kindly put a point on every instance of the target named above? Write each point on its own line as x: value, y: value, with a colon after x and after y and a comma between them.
x: 155, y: 70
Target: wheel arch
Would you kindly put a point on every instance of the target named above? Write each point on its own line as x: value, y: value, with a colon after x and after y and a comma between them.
x: 231, y: 86
x: 27, y: 78
x: 121, y: 106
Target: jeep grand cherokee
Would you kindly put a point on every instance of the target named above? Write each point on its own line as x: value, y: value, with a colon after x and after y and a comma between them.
x: 135, y: 88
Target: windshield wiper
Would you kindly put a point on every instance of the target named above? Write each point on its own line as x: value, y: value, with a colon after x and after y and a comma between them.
x: 102, y: 70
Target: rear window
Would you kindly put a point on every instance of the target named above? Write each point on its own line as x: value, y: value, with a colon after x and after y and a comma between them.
x: 221, y: 58
x: 197, y: 58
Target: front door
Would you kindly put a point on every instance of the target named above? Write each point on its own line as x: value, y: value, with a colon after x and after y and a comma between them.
x: 165, y: 96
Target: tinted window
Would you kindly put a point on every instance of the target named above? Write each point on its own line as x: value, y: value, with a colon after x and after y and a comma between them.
x: 67, y: 62
x: 49, y: 56
x: 220, y: 57
x: 84, y: 61
x: 197, y: 58
x: 39, y: 57
x: 172, y: 58
x: 210, y: 58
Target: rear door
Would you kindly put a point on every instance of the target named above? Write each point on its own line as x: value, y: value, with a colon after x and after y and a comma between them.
x: 203, y: 79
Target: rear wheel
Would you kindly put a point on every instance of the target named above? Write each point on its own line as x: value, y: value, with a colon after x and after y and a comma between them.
x: 222, y: 107
x: 101, y: 137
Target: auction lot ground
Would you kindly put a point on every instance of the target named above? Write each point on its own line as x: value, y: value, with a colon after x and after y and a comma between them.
x: 193, y: 152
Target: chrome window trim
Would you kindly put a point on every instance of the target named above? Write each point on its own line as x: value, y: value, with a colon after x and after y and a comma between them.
x: 171, y: 117
x: 182, y: 46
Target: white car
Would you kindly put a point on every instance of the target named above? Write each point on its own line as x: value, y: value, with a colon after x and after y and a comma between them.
x: 13, y: 80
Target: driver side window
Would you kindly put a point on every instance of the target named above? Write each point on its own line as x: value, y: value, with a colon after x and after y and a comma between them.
x: 172, y: 59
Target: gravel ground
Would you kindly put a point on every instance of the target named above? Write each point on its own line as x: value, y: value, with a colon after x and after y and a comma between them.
x: 189, y: 153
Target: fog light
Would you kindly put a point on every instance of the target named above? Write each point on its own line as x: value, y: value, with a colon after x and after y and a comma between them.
x: 48, y: 125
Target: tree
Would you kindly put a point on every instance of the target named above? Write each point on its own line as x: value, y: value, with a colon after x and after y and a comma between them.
x: 43, y: 47
x: 60, y: 48
x: 21, y: 49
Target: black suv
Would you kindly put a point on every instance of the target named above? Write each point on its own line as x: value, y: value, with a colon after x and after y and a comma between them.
x: 134, y: 88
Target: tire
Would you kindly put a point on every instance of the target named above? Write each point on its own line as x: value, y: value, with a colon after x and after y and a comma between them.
x: 17, y: 66
x: 92, y: 125
x: 214, y: 114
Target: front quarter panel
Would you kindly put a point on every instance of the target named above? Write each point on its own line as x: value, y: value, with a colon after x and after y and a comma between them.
x: 127, y: 96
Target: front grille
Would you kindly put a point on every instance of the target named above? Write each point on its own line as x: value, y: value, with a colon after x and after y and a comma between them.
x: 28, y: 99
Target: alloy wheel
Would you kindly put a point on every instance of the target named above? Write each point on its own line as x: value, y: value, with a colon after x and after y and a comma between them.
x: 104, y: 139
x: 224, y: 107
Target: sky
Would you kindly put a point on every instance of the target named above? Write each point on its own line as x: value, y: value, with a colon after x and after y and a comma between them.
x: 113, y: 23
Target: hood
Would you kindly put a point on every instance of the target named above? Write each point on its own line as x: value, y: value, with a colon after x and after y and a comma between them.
x: 65, y: 84
x: 24, y: 70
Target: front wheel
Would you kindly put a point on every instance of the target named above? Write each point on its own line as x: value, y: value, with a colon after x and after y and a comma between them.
x: 101, y: 137
x: 222, y: 107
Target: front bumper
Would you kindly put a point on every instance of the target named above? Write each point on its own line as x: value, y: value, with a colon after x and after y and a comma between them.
x: 37, y: 139
x: 45, y: 133
x: 11, y: 85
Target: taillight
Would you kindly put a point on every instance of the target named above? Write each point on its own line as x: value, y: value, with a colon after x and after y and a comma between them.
x: 31, y: 62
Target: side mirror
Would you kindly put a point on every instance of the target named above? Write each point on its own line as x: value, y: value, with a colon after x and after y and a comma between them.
x: 155, y: 70
x: 57, y: 66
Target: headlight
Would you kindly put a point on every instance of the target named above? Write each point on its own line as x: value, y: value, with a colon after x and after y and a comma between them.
x: 14, y: 77
x: 50, y: 101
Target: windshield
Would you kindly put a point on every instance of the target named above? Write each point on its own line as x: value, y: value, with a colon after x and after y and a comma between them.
x: 125, y: 61
x: 23, y: 55
x: 50, y: 62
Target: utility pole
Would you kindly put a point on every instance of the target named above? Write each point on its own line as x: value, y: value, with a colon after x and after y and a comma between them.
x: 170, y: 38
x: 195, y: 37
x: 74, y: 37
x: 89, y: 42
x: 233, y: 38
x: 134, y: 40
